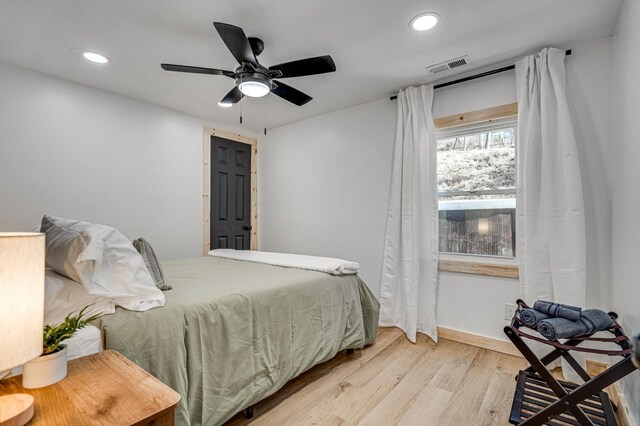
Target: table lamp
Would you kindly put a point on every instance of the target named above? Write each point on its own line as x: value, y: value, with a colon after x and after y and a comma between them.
x: 21, y: 314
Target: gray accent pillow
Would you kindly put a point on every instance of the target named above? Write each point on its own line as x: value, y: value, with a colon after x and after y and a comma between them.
x: 151, y: 261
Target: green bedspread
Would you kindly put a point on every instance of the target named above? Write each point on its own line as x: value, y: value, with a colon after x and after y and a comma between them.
x: 232, y: 333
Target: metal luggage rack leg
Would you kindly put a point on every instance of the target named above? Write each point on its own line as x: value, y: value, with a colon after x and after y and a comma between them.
x: 542, y: 399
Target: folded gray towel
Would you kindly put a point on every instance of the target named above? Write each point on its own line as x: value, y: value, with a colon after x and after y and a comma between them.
x: 590, y: 321
x: 531, y: 317
x: 558, y: 310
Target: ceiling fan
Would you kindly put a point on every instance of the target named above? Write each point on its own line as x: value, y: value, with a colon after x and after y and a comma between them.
x: 252, y: 78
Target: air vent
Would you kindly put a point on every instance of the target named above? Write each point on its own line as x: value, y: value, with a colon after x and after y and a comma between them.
x: 449, y: 65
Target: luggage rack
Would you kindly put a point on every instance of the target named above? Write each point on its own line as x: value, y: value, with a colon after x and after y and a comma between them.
x: 542, y: 399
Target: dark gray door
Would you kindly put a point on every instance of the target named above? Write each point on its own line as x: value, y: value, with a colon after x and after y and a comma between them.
x: 230, y: 194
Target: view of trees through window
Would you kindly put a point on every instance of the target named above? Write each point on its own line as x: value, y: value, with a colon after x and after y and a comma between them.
x: 476, y: 189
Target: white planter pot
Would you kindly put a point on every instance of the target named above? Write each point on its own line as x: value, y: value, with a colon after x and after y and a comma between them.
x: 45, y: 370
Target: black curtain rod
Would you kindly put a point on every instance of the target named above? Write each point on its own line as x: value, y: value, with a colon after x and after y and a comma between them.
x: 473, y: 77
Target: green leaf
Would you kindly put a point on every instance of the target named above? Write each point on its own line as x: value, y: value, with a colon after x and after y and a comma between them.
x: 55, y: 334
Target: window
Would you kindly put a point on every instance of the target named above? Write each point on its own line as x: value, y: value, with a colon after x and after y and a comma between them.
x: 477, y: 188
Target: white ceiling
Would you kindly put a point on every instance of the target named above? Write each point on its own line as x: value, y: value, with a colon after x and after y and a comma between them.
x: 375, y: 51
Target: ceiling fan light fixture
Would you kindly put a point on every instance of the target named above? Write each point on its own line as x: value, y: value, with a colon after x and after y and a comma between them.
x: 424, y: 21
x: 225, y: 104
x: 254, y: 84
x: 254, y: 89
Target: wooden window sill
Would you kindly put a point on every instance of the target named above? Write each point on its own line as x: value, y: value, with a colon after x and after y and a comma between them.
x: 479, y: 268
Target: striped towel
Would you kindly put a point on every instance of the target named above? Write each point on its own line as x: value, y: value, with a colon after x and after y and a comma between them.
x: 591, y: 321
x: 558, y: 310
x: 151, y: 261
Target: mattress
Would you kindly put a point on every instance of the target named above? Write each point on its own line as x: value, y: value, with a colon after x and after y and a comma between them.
x: 232, y: 333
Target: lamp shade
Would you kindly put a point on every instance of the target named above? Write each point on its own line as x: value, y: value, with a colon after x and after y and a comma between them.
x: 21, y: 297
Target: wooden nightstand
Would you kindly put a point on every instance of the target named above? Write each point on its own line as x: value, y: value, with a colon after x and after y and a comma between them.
x: 101, y: 389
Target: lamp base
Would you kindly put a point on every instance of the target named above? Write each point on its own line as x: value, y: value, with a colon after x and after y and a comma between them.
x: 16, y: 409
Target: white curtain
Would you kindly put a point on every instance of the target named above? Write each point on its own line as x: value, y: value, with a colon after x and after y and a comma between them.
x: 551, y: 227
x: 410, y: 265
x: 550, y: 209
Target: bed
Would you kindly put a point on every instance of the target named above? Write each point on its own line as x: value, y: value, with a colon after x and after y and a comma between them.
x: 235, y: 327
x: 232, y: 333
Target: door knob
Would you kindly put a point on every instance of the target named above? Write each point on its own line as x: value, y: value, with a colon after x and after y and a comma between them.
x: 247, y: 227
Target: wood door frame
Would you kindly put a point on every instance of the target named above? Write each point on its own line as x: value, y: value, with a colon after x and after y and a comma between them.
x: 206, y: 174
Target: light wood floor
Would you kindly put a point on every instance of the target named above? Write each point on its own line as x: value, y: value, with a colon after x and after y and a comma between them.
x: 395, y: 382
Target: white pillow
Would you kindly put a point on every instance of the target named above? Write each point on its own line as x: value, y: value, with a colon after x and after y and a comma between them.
x: 63, y: 296
x: 103, y: 260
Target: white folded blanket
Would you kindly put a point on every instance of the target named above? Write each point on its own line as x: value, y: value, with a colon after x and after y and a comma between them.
x: 328, y: 265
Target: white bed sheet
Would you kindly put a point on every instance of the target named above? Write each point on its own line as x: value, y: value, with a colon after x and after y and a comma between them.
x: 86, y: 341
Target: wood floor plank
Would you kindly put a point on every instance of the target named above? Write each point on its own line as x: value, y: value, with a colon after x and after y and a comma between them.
x: 459, y: 359
x: 496, y: 405
x: 396, y: 382
x: 321, y: 389
x: 333, y: 420
x: 369, y: 390
x: 427, y: 408
x: 467, y: 398
x: 393, y: 407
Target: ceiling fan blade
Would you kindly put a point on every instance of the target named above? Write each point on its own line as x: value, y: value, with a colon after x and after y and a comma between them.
x: 196, y: 70
x: 309, y: 66
x: 236, y: 42
x: 290, y: 94
x: 232, y: 97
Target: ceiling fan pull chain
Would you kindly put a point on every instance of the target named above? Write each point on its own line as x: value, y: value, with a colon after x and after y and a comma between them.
x: 265, y: 115
x: 241, y: 103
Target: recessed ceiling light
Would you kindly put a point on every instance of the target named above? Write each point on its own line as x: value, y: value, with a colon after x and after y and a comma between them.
x: 225, y: 104
x: 95, y: 57
x: 424, y: 21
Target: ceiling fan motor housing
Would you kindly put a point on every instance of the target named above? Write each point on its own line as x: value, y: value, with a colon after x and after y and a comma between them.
x: 256, y: 44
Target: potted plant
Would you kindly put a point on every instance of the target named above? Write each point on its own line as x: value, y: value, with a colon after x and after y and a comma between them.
x: 51, y: 366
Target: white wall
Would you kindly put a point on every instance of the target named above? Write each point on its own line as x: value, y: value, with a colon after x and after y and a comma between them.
x: 589, y: 74
x: 626, y: 191
x: 70, y: 150
x: 324, y: 186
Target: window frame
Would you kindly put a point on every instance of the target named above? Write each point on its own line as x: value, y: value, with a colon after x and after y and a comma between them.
x: 495, y: 117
